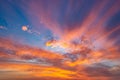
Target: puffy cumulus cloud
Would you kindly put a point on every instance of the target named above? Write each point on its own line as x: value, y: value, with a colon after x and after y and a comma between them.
x: 31, y: 31
x: 24, y: 28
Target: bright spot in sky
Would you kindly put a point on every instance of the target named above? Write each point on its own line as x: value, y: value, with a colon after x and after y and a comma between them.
x: 24, y: 28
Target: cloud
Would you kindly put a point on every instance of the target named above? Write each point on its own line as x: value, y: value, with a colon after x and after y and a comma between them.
x: 33, y: 63
x: 86, y: 40
x: 2, y: 27
x: 24, y: 28
x: 96, y: 43
x: 21, y: 50
x: 31, y: 31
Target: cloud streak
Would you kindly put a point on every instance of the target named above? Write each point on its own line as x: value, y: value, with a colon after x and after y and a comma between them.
x: 91, y: 49
x: 42, y: 64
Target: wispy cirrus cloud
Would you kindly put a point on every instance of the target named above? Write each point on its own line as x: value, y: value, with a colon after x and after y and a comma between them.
x: 81, y: 28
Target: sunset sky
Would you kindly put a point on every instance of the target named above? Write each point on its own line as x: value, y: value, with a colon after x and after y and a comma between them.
x: 59, y: 39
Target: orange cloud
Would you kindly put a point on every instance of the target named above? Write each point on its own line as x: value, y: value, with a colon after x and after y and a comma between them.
x: 24, y: 28
x: 84, y: 58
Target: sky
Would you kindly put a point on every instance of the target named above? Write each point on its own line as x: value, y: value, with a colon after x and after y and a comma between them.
x: 59, y: 39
